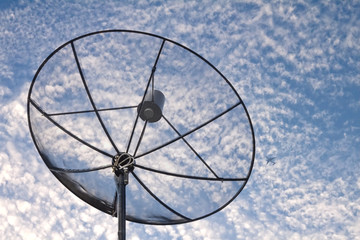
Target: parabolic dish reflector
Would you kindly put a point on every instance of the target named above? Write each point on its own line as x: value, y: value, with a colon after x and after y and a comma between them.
x: 192, y: 144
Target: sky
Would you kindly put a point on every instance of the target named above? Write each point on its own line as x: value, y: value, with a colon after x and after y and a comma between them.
x: 296, y: 66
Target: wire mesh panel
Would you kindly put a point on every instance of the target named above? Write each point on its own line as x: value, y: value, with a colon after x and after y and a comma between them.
x: 84, y: 105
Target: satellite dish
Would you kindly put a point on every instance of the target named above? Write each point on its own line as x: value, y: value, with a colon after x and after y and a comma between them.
x: 151, y: 114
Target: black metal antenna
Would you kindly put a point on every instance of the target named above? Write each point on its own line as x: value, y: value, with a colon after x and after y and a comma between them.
x: 110, y: 131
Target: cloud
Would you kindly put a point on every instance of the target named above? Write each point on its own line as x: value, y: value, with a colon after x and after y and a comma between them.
x: 293, y: 64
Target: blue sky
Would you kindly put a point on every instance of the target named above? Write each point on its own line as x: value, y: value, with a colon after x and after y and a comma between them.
x: 295, y: 65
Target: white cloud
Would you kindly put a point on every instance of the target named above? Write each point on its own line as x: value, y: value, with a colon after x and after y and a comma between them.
x: 4, y: 91
x: 311, y: 191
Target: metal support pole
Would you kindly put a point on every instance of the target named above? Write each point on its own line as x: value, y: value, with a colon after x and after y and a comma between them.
x: 121, y: 181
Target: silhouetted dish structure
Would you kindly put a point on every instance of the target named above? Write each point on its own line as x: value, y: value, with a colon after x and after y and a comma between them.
x: 120, y: 98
